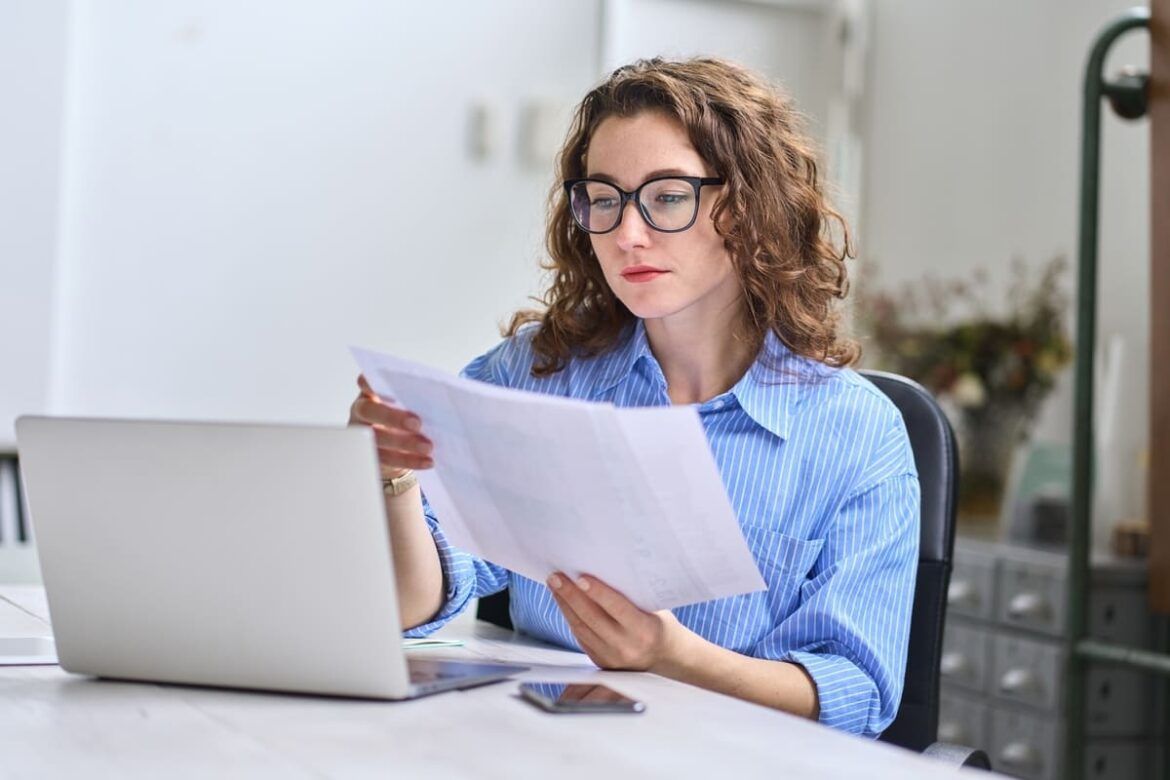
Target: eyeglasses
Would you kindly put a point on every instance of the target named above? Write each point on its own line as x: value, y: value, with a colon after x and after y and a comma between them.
x: 669, y: 204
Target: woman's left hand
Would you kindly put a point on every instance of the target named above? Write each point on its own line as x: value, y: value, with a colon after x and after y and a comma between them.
x: 615, y: 632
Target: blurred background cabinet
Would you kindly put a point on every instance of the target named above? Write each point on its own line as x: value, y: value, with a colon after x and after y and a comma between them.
x: 1003, y: 664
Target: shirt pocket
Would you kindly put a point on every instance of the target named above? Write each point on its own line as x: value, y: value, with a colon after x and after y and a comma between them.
x: 784, y: 562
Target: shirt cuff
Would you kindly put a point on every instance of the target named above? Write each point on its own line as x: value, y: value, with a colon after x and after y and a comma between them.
x: 848, y: 697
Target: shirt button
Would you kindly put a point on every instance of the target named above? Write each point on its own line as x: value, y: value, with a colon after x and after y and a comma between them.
x: 718, y: 404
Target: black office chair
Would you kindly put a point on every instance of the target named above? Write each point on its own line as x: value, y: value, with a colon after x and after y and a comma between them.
x: 933, y: 443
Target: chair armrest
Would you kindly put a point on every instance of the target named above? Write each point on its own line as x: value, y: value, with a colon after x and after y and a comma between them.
x: 958, y: 755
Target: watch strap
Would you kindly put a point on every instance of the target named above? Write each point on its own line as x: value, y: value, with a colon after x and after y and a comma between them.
x: 396, y: 486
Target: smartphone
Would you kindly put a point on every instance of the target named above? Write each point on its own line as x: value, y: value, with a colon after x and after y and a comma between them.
x: 578, y: 697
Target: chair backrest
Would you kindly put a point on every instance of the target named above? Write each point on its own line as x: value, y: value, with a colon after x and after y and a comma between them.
x: 936, y: 456
x: 933, y: 444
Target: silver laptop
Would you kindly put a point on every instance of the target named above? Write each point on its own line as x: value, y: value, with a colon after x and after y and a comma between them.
x: 245, y: 556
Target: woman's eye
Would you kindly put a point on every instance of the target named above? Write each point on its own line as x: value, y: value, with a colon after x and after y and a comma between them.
x: 673, y: 198
x: 602, y: 203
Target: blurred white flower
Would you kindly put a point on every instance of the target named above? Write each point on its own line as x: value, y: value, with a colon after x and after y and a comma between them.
x: 968, y: 391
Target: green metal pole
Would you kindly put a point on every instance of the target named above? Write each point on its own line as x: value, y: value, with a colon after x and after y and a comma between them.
x: 1082, y: 489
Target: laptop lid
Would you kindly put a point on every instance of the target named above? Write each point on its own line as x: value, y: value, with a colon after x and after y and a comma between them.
x: 236, y: 555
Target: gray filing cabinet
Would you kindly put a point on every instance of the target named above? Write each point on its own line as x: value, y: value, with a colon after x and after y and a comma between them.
x: 1003, y: 664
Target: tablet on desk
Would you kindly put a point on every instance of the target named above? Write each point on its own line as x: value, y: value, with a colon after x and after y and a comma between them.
x: 27, y: 651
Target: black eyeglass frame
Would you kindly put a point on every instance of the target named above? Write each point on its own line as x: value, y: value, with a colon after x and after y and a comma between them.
x: 697, y: 182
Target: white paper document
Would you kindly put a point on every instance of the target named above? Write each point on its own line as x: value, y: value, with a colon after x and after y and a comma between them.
x: 539, y: 483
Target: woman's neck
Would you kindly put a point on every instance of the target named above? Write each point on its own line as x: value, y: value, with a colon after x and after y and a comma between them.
x: 700, y: 360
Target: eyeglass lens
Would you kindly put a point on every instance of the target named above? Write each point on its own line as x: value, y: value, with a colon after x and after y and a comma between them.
x: 668, y: 204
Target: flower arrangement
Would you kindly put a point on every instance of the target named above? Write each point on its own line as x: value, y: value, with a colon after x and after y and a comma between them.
x: 991, y: 370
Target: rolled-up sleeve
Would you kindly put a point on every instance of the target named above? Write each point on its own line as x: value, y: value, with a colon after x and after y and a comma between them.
x: 465, y: 576
x: 850, y: 630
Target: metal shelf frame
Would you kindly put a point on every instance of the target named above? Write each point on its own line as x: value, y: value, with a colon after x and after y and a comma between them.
x: 1128, y: 97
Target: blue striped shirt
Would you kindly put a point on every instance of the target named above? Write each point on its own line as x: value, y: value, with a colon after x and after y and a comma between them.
x: 818, y: 467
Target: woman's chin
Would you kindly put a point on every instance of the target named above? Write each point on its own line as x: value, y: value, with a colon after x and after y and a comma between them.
x: 648, y: 311
x: 647, y: 305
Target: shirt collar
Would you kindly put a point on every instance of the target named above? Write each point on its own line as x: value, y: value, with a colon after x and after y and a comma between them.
x: 768, y: 392
x: 619, y: 363
x: 771, y: 390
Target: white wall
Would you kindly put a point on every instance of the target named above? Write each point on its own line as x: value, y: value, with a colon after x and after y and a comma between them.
x: 32, y: 64
x: 783, y: 40
x: 250, y: 187
x: 973, y: 157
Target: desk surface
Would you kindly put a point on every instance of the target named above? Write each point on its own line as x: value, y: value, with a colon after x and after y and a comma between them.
x: 54, y: 723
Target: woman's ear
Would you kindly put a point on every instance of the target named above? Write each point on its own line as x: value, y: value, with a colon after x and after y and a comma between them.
x: 724, y: 222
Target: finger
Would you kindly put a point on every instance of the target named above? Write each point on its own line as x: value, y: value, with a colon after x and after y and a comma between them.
x: 374, y: 412
x: 403, y: 441
x: 596, y: 655
x: 590, y: 642
x: 397, y: 460
x: 586, y: 609
x: 595, y: 649
x: 370, y: 392
x: 614, y: 603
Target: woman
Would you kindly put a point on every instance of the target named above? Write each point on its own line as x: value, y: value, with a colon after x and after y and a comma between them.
x: 693, y: 263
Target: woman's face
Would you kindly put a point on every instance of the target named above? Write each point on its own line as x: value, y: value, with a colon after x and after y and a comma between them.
x: 695, y: 279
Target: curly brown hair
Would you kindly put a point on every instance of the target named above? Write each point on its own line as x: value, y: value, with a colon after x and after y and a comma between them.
x: 774, y: 218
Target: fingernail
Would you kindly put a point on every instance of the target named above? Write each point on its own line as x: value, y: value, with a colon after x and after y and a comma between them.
x: 412, y: 424
x: 582, y: 583
x: 554, y: 582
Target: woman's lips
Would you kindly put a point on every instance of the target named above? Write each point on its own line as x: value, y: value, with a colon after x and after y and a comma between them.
x: 642, y: 273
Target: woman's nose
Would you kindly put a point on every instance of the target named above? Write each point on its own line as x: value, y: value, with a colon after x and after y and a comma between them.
x: 633, y: 231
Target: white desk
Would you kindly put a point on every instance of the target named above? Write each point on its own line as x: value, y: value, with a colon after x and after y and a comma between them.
x: 54, y: 724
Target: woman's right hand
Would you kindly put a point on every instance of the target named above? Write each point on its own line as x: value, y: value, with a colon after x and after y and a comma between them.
x: 398, y: 432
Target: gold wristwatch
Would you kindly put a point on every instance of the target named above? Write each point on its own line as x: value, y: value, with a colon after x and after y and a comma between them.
x: 396, y: 486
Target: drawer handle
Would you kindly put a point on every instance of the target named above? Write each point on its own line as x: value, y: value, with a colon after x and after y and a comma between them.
x: 961, y: 593
x: 954, y: 664
x: 1018, y: 681
x: 1028, y: 606
x: 950, y: 731
x: 1019, y: 755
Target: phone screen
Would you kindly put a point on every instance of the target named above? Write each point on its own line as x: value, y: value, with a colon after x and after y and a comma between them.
x: 578, y: 697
